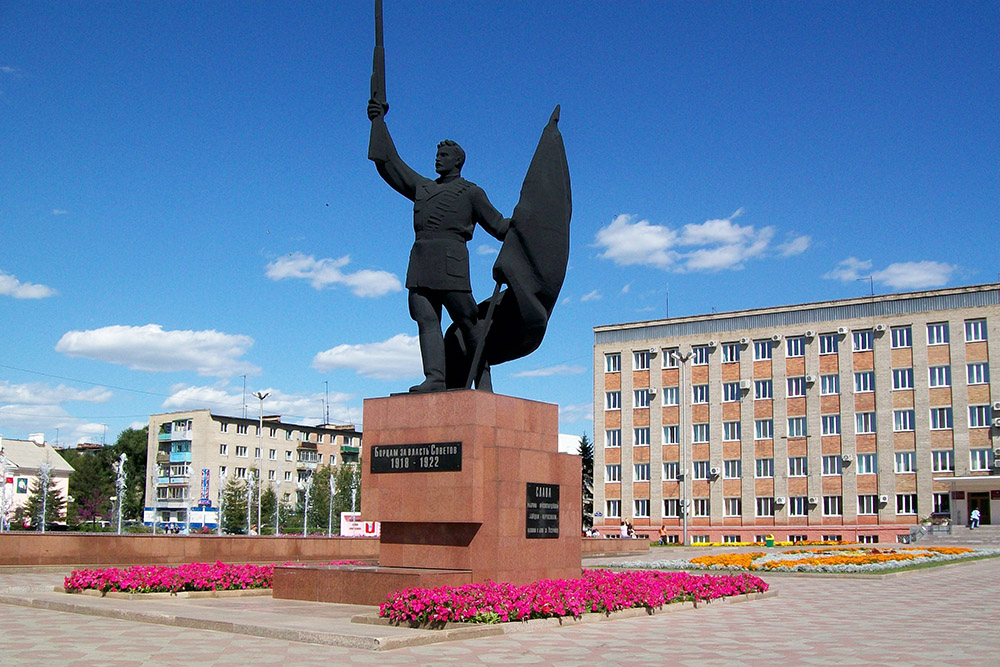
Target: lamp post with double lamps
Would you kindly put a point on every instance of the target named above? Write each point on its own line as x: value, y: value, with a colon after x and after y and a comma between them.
x: 685, y: 462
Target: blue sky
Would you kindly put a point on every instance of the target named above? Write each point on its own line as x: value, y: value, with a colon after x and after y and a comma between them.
x: 185, y: 197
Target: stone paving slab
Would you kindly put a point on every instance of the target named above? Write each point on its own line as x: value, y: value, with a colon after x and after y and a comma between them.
x: 940, y: 616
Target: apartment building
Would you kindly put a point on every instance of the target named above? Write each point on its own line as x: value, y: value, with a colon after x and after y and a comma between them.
x: 191, y: 454
x: 21, y: 464
x: 850, y: 419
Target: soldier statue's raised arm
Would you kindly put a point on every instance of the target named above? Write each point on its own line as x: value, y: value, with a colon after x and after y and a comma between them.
x: 445, y: 213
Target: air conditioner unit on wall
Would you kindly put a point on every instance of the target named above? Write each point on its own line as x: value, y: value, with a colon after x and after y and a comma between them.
x: 746, y: 384
x: 779, y: 500
x: 842, y: 331
x: 810, y: 379
x: 653, y: 351
x: 652, y: 393
x: 744, y: 341
x: 846, y: 458
x: 813, y: 500
x: 996, y: 457
x: 883, y: 498
x: 776, y: 337
x: 996, y: 422
x: 880, y: 328
x: 713, y: 343
x: 810, y: 333
x: 714, y: 472
x: 996, y: 406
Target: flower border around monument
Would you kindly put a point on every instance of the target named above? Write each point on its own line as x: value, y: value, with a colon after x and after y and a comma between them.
x: 598, y: 591
x: 842, y: 560
x: 189, y: 577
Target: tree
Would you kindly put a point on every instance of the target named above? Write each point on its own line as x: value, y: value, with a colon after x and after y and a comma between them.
x: 91, y: 485
x: 234, y: 506
x: 345, y: 475
x: 268, y: 499
x: 134, y: 443
x: 586, y: 452
x: 54, y: 503
x: 319, y: 500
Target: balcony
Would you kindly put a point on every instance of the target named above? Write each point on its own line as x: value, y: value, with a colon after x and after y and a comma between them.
x: 307, y: 465
x: 350, y: 449
x: 180, y: 457
x: 163, y: 437
x: 162, y: 457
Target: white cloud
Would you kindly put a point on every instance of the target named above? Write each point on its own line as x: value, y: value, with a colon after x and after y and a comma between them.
x: 49, y: 419
x: 325, y: 272
x: 150, y: 348
x: 626, y: 288
x: 37, y: 393
x: 561, y: 369
x: 795, y: 246
x: 591, y: 296
x: 900, y: 275
x: 7, y: 69
x: 485, y: 249
x: 222, y: 399
x: 392, y: 359
x: 11, y: 286
x: 915, y: 275
x: 712, y: 245
x: 59, y: 211
x: 576, y: 412
x: 850, y: 269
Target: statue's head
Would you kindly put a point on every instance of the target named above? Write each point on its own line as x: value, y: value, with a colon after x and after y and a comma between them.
x: 450, y: 157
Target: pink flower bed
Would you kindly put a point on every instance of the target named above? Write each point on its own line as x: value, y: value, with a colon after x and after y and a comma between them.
x: 216, y: 576
x: 597, y: 591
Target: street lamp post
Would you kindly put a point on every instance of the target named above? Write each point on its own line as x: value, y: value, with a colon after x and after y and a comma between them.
x: 329, y: 518
x: 305, y: 507
x: 682, y: 360
x: 250, y: 481
x: 260, y: 396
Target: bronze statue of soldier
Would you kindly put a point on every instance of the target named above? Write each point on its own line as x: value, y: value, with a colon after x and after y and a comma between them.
x: 446, y: 211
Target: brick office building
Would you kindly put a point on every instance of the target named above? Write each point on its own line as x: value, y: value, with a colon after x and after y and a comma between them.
x: 849, y: 419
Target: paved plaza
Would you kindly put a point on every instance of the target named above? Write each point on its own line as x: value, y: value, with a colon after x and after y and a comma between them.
x: 938, y: 616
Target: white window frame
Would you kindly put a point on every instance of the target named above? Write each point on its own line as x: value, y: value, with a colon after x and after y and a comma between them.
x: 763, y: 506
x: 862, y: 340
x: 829, y: 385
x: 701, y: 470
x: 671, y: 471
x: 731, y: 392
x: 798, y: 466
x: 829, y: 343
x: 830, y: 424
x: 978, y: 372
x: 702, y: 507
x: 797, y: 427
x: 867, y: 504
x: 640, y: 436
x: 763, y: 429
x: 865, y: 423
x: 980, y: 416
x: 902, y: 379
x: 241, y: 451
x: 763, y: 390
x: 938, y: 333
x: 833, y: 465
x: 795, y: 346
x: 669, y: 357
x: 613, y: 472
x: 640, y: 398
x: 613, y: 437
x: 980, y: 459
x: 223, y: 450
x: 700, y: 355
x: 671, y: 508
x: 867, y: 464
x: 731, y: 431
x: 730, y: 353
x: 975, y: 331
x: 640, y: 360
x: 612, y: 400
x: 612, y: 364
x: 943, y: 460
x: 700, y: 432
x: 699, y: 394
x: 671, y: 434
x: 641, y: 507
x: 764, y: 468
x: 732, y: 469
x: 796, y: 386
x: 762, y: 350
x: 864, y: 382
x: 902, y: 337
x: 906, y: 503
x: 938, y: 376
x: 903, y: 420
x: 640, y: 472
x: 798, y: 506
x: 942, y: 419
x: 833, y: 506
x: 905, y: 462
x: 671, y: 395
x: 613, y: 508
x: 732, y: 507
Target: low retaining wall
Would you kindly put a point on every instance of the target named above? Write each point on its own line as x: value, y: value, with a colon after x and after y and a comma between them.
x: 36, y: 549
x: 602, y: 546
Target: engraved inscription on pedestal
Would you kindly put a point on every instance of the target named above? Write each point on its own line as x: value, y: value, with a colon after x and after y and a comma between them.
x: 542, y: 511
x: 423, y: 457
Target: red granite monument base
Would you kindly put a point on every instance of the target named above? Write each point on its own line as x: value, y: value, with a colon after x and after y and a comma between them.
x: 472, y: 488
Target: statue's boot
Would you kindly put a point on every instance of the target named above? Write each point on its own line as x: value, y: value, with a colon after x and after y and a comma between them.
x: 432, y: 357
